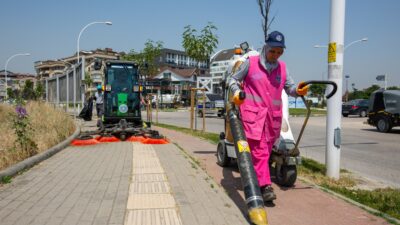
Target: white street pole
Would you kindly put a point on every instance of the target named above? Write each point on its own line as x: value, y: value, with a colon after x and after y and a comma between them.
x: 82, y: 81
x: 80, y: 33
x: 58, y: 91
x: 335, y: 74
x: 74, y: 89
x: 347, y: 89
x: 385, y: 81
x: 47, y: 90
x: 5, y: 69
x: 67, y: 77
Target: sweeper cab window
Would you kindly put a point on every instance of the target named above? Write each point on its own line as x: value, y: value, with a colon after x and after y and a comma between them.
x: 122, y: 95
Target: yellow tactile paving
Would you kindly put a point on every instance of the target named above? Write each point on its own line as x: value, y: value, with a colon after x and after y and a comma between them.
x: 149, y: 187
x: 153, y: 217
x: 150, y: 201
x: 152, y: 177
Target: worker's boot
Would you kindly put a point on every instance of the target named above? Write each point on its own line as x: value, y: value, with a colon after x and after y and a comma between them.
x: 268, y: 193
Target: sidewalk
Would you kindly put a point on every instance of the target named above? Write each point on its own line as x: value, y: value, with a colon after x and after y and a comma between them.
x: 302, y: 204
x: 133, y: 183
x: 116, y: 183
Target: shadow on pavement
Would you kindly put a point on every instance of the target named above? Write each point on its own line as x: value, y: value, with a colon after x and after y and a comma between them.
x: 393, y: 131
x: 204, y: 152
x: 232, y: 185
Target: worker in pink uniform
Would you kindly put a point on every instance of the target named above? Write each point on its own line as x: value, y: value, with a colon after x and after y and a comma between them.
x: 263, y: 78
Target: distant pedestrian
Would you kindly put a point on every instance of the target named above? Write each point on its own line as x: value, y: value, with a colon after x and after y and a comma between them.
x: 99, y: 98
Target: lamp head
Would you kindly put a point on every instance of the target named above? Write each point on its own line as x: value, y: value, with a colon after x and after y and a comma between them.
x: 108, y: 23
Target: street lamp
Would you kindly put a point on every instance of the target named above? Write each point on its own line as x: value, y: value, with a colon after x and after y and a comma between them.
x: 335, y: 73
x: 352, y: 43
x: 83, y: 29
x: 361, y: 40
x: 77, y: 53
x: 347, y: 87
x: 5, y: 69
x: 345, y: 47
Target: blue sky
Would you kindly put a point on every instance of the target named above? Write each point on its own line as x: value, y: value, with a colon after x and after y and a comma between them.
x: 48, y: 29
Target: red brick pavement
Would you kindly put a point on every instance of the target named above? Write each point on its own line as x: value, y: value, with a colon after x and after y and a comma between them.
x: 300, y: 205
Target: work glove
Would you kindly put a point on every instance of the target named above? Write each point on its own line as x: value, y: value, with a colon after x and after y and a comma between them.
x: 238, y: 97
x: 302, y: 89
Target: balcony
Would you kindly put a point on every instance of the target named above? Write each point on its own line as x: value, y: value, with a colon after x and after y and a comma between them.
x: 97, y: 76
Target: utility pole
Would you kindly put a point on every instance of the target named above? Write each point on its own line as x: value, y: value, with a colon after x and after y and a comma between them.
x: 335, y: 74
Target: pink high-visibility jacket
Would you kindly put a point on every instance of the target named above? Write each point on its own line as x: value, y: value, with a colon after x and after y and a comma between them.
x: 262, y: 107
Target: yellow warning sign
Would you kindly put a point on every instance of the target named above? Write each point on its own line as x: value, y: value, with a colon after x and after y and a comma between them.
x: 243, y: 146
x: 332, y: 52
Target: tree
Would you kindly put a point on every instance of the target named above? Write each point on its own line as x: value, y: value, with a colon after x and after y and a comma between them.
x: 368, y: 91
x: 363, y: 94
x: 10, y: 93
x: 28, y: 92
x: 39, y: 90
x: 393, y: 88
x: 265, y: 6
x: 88, y: 80
x: 146, y: 59
x: 200, y: 47
x: 318, y: 90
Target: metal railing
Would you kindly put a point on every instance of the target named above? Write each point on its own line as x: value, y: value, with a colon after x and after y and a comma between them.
x: 66, y: 90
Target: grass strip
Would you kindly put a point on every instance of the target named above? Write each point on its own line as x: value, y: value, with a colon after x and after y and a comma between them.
x: 385, y: 200
x: 303, y: 112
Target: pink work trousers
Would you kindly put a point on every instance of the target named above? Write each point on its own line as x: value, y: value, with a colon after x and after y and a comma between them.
x: 260, y: 153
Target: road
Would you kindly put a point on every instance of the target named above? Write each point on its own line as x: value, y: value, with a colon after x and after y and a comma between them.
x: 364, y: 151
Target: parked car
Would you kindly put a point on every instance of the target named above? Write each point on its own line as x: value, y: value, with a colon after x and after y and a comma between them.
x: 384, y: 110
x: 355, y: 107
x: 214, y: 105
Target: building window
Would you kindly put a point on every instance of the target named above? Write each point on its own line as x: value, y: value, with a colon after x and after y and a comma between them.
x: 167, y: 76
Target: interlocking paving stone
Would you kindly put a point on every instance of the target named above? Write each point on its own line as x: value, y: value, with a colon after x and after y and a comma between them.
x: 154, y: 217
x: 76, y: 186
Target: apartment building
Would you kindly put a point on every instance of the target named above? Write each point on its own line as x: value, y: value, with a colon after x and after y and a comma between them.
x: 50, y: 68
x: 14, y: 81
x: 176, y: 59
x: 219, y: 65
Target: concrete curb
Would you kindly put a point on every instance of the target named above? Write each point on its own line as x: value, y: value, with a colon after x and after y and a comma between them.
x: 351, y: 201
x: 29, y: 162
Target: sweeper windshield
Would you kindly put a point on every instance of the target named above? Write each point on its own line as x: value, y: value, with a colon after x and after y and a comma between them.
x: 122, y: 92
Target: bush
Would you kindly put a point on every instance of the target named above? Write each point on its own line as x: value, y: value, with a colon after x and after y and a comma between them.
x: 30, y: 130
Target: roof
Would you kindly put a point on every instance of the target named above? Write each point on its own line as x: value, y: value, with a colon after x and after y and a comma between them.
x: 168, y: 50
x: 223, y: 55
x: 17, y: 75
x: 186, y: 73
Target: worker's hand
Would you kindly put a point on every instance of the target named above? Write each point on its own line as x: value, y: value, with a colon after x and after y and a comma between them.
x: 238, y: 97
x: 302, y: 89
